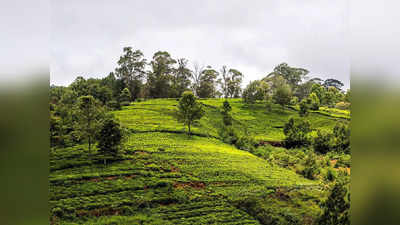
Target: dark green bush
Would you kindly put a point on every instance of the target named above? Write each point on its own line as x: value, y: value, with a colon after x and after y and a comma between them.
x: 114, y: 105
x: 297, y: 133
x: 125, y: 103
x: 323, y: 142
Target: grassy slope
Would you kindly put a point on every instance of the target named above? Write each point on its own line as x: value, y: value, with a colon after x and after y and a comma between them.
x: 172, y: 178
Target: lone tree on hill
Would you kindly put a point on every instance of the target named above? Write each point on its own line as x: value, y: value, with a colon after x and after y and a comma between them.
x: 89, y: 116
x: 189, y: 110
x: 110, y: 138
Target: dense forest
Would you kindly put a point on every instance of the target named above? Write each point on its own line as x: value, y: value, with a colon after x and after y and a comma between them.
x: 169, y: 142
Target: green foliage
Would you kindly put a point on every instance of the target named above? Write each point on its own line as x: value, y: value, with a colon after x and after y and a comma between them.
x: 303, y: 108
x: 311, y: 167
x: 294, y: 100
x: 342, y: 105
x: 226, y: 115
x: 114, y: 105
x: 342, y: 137
x: 89, y: 117
x: 125, y: 95
x: 131, y: 70
x: 323, y: 142
x: 207, y: 83
x: 230, y: 82
x: 283, y: 92
x: 253, y: 92
x: 314, y: 101
x: 109, y: 138
x: 159, y: 79
x: 189, y: 110
x: 292, y: 75
x: 336, y: 209
x: 297, y: 133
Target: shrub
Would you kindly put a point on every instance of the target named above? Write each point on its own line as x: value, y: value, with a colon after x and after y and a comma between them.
x: 114, y: 105
x: 342, y: 105
x: 341, y: 133
x: 323, y: 142
x: 294, y: 100
x: 330, y: 175
x: 303, y: 108
x: 226, y: 116
x: 228, y: 134
x: 314, y: 101
x: 297, y: 133
x: 125, y: 103
x: 311, y: 168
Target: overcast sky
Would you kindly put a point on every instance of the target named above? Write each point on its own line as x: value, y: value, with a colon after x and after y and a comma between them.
x: 87, y: 37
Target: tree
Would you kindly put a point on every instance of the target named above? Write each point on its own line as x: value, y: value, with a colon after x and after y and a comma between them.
x: 230, y: 82
x: 253, y: 92
x: 323, y: 142
x: 297, y: 133
x: 347, y: 96
x: 333, y: 83
x: 131, y: 70
x: 292, y: 75
x: 314, y: 101
x: 109, y: 138
x: 160, y: 78
x: 226, y: 116
x: 341, y: 133
x: 336, y: 207
x: 196, y: 77
x: 180, y: 79
x: 283, y: 92
x: 206, y: 88
x: 189, y: 110
x: 89, y: 116
x: 303, y: 108
x: 318, y: 90
x: 125, y: 95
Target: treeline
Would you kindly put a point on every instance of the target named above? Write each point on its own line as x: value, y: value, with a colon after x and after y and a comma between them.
x: 135, y: 78
x: 289, y: 86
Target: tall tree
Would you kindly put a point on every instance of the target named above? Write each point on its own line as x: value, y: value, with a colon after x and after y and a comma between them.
x: 89, y: 116
x: 207, y: 85
x: 292, y: 75
x: 189, y: 110
x: 196, y: 75
x: 159, y: 79
x: 333, y: 83
x: 283, y: 92
x: 336, y: 208
x: 180, y: 79
x: 131, y: 69
x: 230, y: 82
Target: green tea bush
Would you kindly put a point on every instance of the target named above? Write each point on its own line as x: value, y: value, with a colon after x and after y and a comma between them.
x: 342, y: 105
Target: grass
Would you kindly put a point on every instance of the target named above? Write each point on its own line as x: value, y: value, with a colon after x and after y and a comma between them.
x: 167, y: 177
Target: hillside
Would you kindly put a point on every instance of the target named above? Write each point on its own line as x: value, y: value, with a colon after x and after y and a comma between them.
x: 168, y: 177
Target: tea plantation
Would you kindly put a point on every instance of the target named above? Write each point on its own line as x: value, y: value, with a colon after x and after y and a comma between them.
x: 165, y: 176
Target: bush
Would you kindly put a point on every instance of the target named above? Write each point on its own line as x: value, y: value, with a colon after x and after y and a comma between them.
x: 323, y: 142
x: 330, y: 175
x: 341, y: 133
x: 311, y: 168
x: 297, y: 133
x: 342, y: 105
x: 228, y: 134
x: 303, y: 108
x: 114, y: 105
x: 314, y: 101
x: 125, y: 103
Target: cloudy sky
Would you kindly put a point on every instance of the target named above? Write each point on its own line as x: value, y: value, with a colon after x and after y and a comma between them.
x: 87, y: 37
